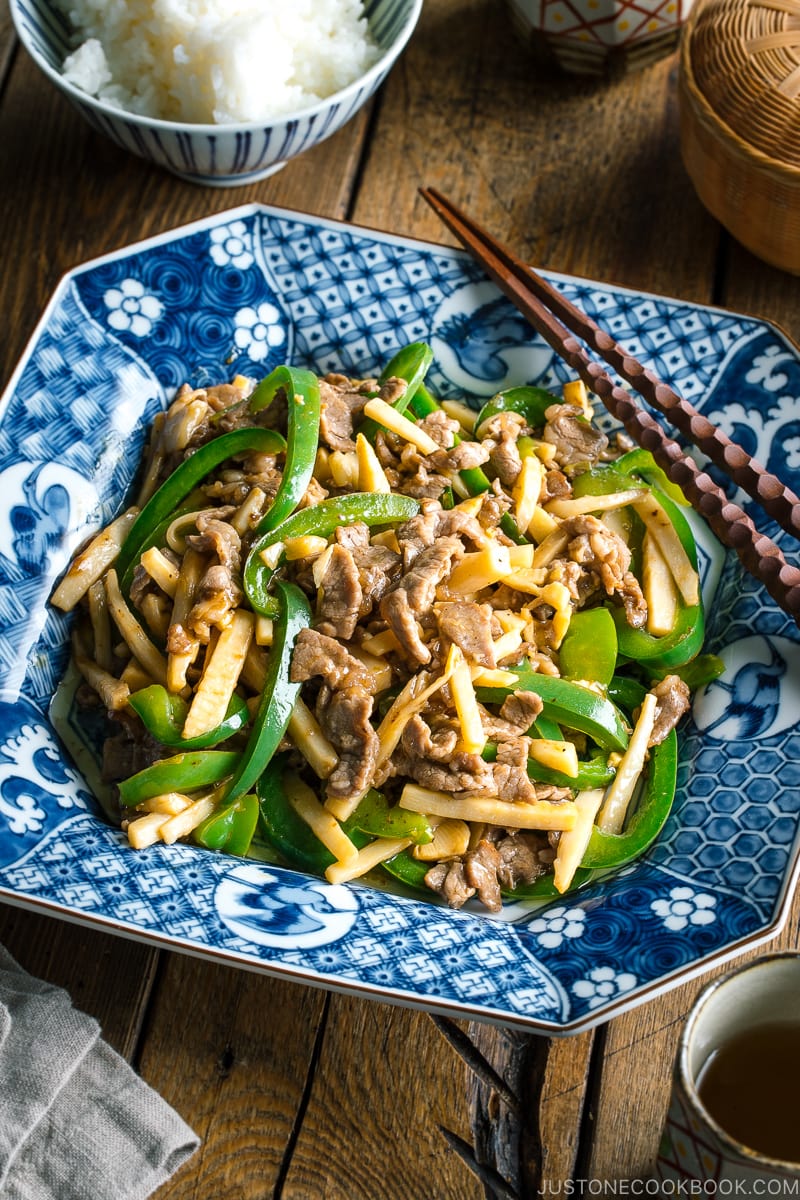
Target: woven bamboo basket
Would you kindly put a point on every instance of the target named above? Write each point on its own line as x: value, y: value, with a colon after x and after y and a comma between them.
x: 739, y: 94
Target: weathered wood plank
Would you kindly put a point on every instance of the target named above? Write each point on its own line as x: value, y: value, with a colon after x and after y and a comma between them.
x: 231, y: 1051
x: 385, y: 1082
x: 7, y: 42
x: 579, y: 176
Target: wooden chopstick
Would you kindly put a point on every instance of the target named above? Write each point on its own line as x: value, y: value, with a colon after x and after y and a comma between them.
x: 777, y: 500
x: 539, y: 303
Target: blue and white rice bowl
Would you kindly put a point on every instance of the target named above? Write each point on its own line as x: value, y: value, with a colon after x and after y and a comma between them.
x: 217, y: 155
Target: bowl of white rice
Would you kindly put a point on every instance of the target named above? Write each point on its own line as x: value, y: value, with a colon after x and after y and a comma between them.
x: 220, y: 92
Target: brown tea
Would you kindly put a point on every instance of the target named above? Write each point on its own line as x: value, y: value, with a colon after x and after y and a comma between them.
x: 750, y: 1087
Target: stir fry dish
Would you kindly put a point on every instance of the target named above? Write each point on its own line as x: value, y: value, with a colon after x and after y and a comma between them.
x: 383, y: 633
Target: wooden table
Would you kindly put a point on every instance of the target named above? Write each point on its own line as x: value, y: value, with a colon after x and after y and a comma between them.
x: 294, y: 1091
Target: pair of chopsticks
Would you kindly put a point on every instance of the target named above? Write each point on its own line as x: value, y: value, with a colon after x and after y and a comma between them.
x: 565, y: 327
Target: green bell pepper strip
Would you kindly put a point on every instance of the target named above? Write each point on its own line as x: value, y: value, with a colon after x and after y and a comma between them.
x: 378, y: 818
x: 411, y: 363
x: 231, y: 827
x: 637, y: 468
x: 182, y: 773
x: 570, y: 704
x: 685, y: 640
x: 646, y: 822
x: 302, y: 437
x: 626, y: 693
x: 371, y: 508
x: 592, y: 772
x: 546, y: 727
x: 166, y: 499
x: 641, y: 462
x: 544, y: 888
x: 408, y: 870
x: 285, y: 831
x: 589, y: 650
x: 163, y: 715
x: 530, y: 402
x: 279, y: 693
x: 702, y: 670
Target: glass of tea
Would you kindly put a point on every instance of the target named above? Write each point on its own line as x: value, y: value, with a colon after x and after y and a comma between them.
x: 733, y: 1118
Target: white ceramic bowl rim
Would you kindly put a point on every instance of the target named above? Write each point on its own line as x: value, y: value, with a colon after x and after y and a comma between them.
x: 297, y: 114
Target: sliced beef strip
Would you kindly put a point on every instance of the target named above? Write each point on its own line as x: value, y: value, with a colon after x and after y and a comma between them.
x: 317, y: 655
x: 449, y: 880
x: 379, y: 567
x: 463, y: 773
x: 510, y: 771
x: 216, y: 535
x: 353, y: 537
x: 415, y: 476
x: 419, y: 741
x: 441, y: 428
x: 218, y: 594
x: 434, y: 522
x: 524, y: 856
x: 345, y: 719
x: 340, y: 401
x: 500, y: 434
x: 575, y: 440
x: 344, y: 708
x: 603, y: 560
x: 469, y: 626
x: 673, y: 700
x: 459, y: 879
x: 403, y: 608
x: 219, y: 591
x: 503, y: 859
x: 179, y: 640
x: 340, y: 595
x: 494, y: 507
x: 480, y: 871
x: 556, y: 486
x: 463, y: 457
x: 520, y: 710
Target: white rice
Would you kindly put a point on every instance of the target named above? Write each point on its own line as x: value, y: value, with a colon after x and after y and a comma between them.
x: 217, y: 61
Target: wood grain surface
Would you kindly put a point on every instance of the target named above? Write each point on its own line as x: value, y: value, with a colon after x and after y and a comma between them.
x: 299, y: 1093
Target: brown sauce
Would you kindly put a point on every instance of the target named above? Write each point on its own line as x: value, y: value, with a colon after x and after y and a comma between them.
x: 750, y: 1087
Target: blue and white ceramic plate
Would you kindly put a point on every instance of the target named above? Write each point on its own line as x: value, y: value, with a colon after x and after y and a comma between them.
x: 241, y: 292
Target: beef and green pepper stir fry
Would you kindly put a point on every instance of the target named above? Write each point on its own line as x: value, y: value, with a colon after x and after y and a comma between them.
x: 383, y: 633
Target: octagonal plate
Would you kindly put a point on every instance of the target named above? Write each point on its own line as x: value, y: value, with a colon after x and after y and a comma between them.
x: 243, y: 291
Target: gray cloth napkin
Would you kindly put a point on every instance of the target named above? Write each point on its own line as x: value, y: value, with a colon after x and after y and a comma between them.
x: 76, y: 1122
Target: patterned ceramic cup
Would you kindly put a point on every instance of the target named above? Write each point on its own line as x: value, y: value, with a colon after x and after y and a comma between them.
x: 697, y: 1155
